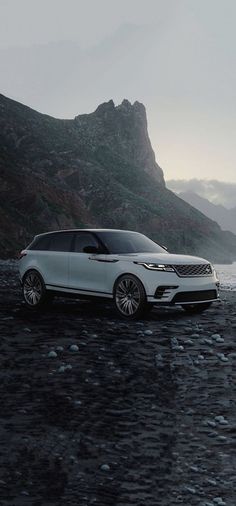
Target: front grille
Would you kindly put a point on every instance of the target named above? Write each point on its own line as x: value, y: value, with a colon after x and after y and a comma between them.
x: 198, y: 296
x: 191, y: 270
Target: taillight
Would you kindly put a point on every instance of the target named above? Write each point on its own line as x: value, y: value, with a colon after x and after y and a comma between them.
x: 21, y: 254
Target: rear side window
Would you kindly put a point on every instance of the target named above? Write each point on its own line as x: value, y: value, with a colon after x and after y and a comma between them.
x: 53, y: 242
x: 40, y: 243
x: 61, y: 242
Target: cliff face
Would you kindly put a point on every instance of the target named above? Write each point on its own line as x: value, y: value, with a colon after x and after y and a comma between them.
x: 96, y: 170
x: 119, y: 135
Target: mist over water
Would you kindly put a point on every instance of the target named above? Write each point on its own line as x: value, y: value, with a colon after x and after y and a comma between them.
x: 227, y: 276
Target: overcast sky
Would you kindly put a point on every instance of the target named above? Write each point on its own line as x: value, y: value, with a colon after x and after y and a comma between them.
x: 64, y: 57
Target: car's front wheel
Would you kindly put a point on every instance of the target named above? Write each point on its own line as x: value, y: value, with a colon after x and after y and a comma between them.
x: 196, y: 308
x: 34, y: 291
x: 130, y: 297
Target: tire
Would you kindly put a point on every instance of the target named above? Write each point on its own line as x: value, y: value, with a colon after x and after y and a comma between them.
x: 129, y: 297
x: 34, y: 291
x: 196, y: 308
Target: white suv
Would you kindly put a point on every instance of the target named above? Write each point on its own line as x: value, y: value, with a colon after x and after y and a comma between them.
x: 114, y: 264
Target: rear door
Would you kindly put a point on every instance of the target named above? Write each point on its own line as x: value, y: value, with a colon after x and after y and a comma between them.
x: 87, y: 271
x: 54, y: 262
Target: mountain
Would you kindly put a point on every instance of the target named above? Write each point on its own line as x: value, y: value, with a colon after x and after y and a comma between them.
x: 96, y: 170
x: 226, y: 218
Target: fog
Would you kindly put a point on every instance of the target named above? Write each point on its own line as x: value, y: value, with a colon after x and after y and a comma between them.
x: 216, y: 192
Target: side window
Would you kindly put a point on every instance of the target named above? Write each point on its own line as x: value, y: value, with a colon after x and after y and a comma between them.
x: 41, y: 243
x: 61, y: 241
x: 83, y: 239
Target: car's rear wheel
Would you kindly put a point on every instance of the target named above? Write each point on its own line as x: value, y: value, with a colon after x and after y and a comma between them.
x: 130, y: 297
x: 34, y: 290
x: 196, y: 308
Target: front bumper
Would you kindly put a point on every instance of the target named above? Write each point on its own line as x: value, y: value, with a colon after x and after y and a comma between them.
x: 174, y: 290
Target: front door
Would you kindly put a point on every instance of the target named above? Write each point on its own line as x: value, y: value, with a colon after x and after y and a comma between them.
x: 87, y: 271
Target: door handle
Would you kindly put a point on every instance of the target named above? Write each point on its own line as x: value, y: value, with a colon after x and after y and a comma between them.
x: 112, y: 261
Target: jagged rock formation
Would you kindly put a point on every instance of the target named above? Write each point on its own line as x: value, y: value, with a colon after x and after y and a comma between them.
x: 96, y: 170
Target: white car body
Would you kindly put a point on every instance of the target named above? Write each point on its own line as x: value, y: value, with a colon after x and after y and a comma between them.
x: 166, y: 278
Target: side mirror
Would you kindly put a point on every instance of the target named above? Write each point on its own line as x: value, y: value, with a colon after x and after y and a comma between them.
x: 91, y: 249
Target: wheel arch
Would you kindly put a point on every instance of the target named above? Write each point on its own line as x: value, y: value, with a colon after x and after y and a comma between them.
x: 128, y: 274
x: 34, y: 269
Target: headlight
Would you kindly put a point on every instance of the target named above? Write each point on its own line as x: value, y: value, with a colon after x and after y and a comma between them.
x: 156, y: 267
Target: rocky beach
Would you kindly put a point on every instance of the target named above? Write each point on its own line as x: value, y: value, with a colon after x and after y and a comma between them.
x: 98, y: 411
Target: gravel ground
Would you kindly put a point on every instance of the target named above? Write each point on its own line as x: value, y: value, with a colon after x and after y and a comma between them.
x: 97, y: 411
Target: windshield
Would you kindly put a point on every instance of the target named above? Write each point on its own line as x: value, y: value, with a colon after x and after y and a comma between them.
x: 129, y: 242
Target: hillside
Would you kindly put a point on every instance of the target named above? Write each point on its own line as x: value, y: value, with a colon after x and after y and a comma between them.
x: 98, y: 169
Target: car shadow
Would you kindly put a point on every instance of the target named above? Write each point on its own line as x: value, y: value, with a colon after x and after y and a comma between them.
x: 93, y: 310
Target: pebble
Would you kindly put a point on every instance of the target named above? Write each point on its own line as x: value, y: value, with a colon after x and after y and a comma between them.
x: 61, y: 368
x: 223, y: 422
x: 64, y: 368
x: 192, y: 490
x: 208, y: 341
x: 179, y: 348
x: 211, y: 481
x: 219, y: 501
x: 52, y: 354
x: 159, y: 360
x: 232, y: 355
x: 222, y: 357
x: 148, y: 332
x: 74, y: 348
x: 215, y: 336
x: 59, y: 348
x: 222, y: 438
x: 195, y: 469
x: 219, y: 340
x: 194, y: 335
x: 211, y: 423
x: 220, y: 418
x: 105, y: 467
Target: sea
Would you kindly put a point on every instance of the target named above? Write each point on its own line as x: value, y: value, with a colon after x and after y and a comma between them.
x: 227, y: 276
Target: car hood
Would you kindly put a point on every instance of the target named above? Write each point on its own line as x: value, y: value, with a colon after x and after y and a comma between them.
x: 162, y: 258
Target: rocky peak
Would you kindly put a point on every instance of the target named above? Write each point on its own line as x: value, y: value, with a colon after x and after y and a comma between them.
x: 122, y: 131
x: 105, y: 108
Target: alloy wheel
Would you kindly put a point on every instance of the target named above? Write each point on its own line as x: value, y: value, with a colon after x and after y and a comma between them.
x: 128, y: 296
x: 33, y: 289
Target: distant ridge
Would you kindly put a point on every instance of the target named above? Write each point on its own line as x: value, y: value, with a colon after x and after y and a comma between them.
x: 226, y: 218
